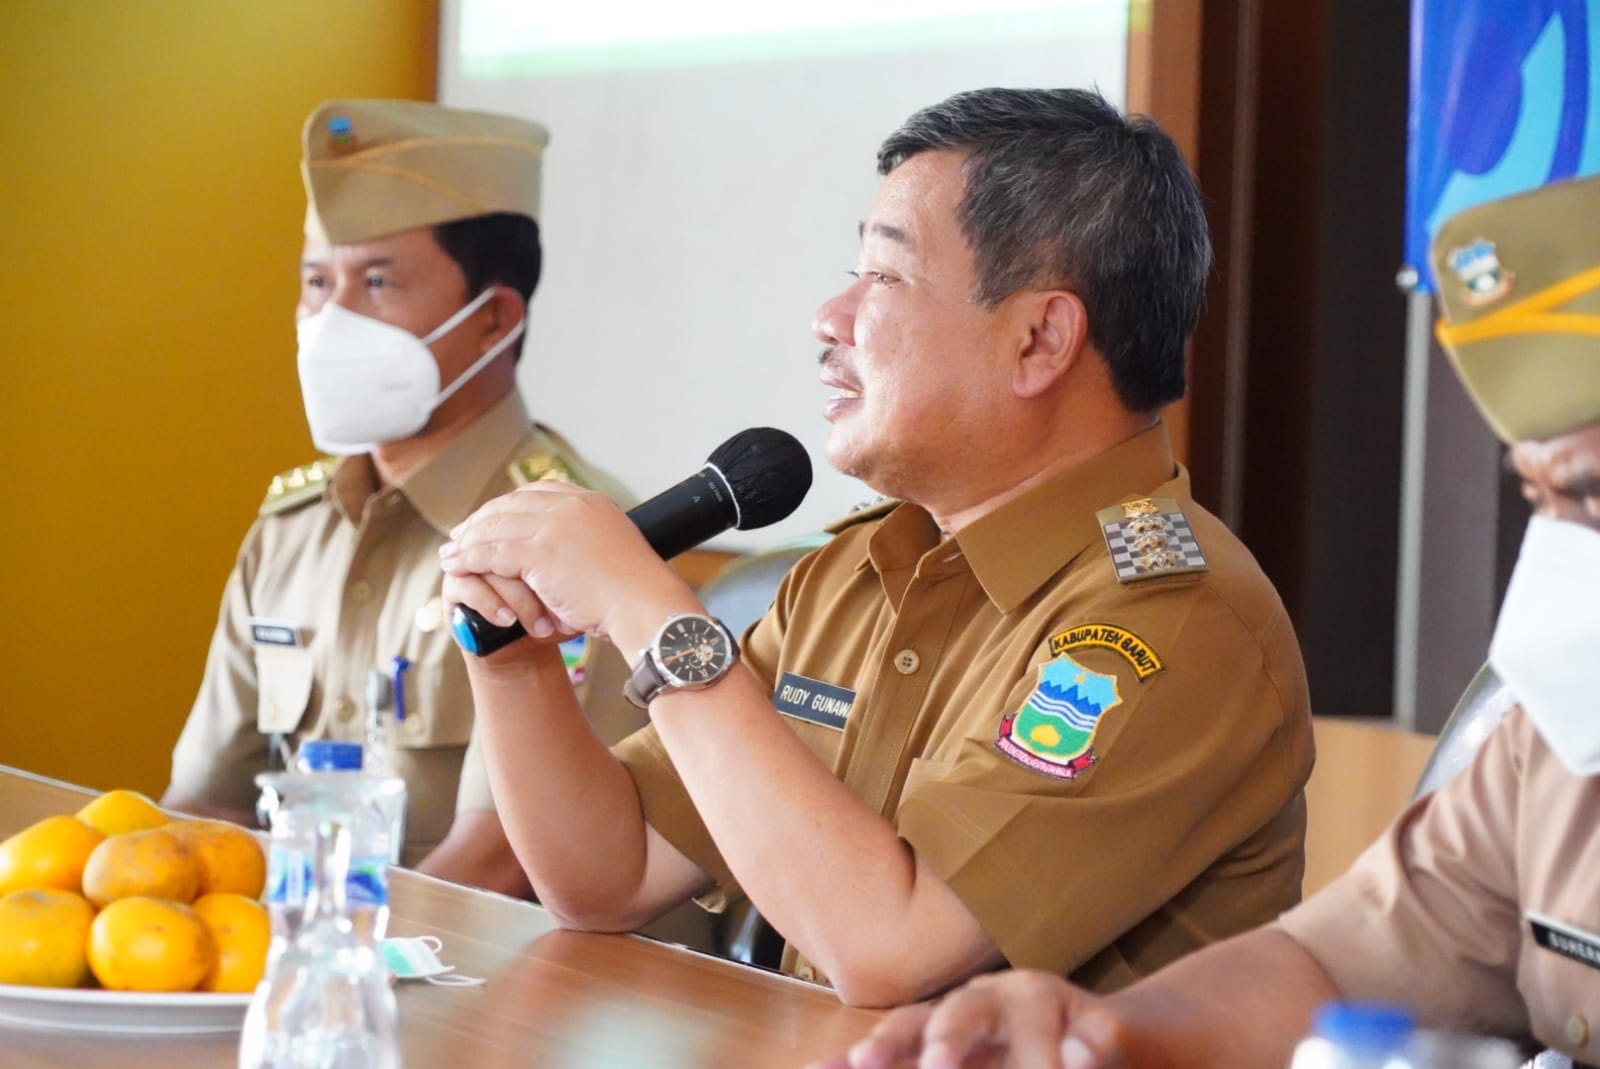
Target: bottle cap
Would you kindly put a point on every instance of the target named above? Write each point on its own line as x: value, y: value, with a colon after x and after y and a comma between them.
x: 1363, y: 1025
x: 326, y: 755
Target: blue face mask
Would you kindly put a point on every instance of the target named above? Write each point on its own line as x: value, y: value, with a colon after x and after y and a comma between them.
x: 418, y: 959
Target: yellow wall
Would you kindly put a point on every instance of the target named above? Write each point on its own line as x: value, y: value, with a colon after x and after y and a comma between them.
x: 150, y: 211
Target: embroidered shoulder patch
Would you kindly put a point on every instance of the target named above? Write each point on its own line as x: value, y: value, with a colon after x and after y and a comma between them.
x: 536, y: 466
x: 1150, y: 537
x: 298, y: 485
x: 1145, y: 661
x: 575, y: 655
x: 1053, y: 731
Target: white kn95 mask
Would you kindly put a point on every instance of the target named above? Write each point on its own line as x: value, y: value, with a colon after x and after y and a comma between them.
x: 1546, y: 642
x: 365, y: 381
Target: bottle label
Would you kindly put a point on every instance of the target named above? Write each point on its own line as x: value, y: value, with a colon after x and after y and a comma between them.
x: 290, y: 875
x: 368, y: 885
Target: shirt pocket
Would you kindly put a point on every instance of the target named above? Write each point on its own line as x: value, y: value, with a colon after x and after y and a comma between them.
x: 431, y: 741
x: 923, y: 771
x: 284, y: 677
x: 438, y: 700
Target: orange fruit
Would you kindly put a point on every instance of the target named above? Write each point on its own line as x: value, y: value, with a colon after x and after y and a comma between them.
x: 43, y: 938
x: 153, y: 863
x: 241, y: 932
x: 50, y: 853
x: 118, y: 811
x: 231, y: 858
x: 149, y: 944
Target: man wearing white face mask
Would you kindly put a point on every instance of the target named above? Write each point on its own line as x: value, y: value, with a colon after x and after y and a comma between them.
x: 421, y: 252
x: 1479, y: 909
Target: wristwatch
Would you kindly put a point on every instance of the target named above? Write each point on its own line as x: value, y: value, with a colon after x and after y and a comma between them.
x: 689, y: 652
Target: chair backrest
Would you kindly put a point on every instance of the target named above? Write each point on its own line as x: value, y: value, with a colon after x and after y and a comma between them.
x: 740, y: 593
x: 1480, y: 709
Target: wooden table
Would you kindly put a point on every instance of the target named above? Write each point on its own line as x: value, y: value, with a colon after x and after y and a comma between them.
x: 554, y: 998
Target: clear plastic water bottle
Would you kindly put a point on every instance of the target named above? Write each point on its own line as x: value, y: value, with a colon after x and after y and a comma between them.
x: 1353, y: 1035
x: 384, y: 706
x: 325, y: 1000
x: 1346, y: 1035
x: 1458, y: 1050
x: 328, y: 781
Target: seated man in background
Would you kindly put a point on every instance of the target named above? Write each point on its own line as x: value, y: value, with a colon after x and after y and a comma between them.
x: 1479, y: 909
x: 1044, y: 710
x: 421, y: 253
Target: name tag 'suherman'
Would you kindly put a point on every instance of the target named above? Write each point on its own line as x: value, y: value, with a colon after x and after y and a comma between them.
x: 812, y: 699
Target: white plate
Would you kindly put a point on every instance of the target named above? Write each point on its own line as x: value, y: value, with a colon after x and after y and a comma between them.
x: 186, y: 1013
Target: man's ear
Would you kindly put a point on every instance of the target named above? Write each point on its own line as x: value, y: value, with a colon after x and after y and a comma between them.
x: 1058, y: 336
x: 506, y: 309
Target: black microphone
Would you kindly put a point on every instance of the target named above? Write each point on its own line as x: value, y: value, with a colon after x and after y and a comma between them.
x: 754, y: 479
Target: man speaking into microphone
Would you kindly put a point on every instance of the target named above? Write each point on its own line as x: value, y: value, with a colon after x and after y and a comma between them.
x: 1040, y: 709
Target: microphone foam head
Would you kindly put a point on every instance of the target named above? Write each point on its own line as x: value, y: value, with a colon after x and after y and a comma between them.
x: 768, y: 472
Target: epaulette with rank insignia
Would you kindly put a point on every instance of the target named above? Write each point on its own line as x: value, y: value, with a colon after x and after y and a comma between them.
x: 297, y: 486
x: 1150, y: 537
x: 872, y: 510
x: 536, y: 466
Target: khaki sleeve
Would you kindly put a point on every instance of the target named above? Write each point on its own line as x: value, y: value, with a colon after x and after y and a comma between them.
x: 220, y: 749
x: 1428, y: 916
x: 1188, y: 764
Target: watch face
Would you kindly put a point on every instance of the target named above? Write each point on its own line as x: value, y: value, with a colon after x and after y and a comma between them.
x: 693, y: 650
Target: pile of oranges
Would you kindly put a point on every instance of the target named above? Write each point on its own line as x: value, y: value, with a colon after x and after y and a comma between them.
x: 122, y: 896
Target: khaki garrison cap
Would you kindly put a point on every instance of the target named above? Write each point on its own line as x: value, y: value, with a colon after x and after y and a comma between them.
x: 1519, y: 295
x: 377, y: 167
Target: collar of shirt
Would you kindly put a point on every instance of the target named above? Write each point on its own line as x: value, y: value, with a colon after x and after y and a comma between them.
x: 1016, y: 548
x: 446, y: 489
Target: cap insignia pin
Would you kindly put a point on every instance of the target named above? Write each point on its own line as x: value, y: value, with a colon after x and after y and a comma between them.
x: 1483, y: 279
x: 341, y: 134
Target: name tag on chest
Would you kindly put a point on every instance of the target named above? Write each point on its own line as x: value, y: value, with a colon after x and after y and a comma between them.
x: 1564, y: 939
x: 813, y: 700
x: 264, y: 632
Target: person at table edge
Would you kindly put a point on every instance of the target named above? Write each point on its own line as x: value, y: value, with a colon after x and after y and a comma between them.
x: 1039, y: 709
x: 1478, y: 910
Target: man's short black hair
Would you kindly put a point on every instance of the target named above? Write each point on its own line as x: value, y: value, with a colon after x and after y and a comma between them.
x: 1062, y: 190
x: 501, y: 249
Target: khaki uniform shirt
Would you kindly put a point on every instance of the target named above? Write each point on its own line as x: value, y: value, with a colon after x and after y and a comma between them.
x: 352, y: 570
x: 1480, y: 907
x: 1107, y: 770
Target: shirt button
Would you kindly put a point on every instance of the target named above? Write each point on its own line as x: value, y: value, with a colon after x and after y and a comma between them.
x: 344, y: 709
x: 414, y: 725
x: 906, y: 662
x: 1577, y: 1030
x: 361, y: 590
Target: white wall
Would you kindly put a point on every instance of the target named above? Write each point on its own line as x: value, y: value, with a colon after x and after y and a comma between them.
x: 694, y: 216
